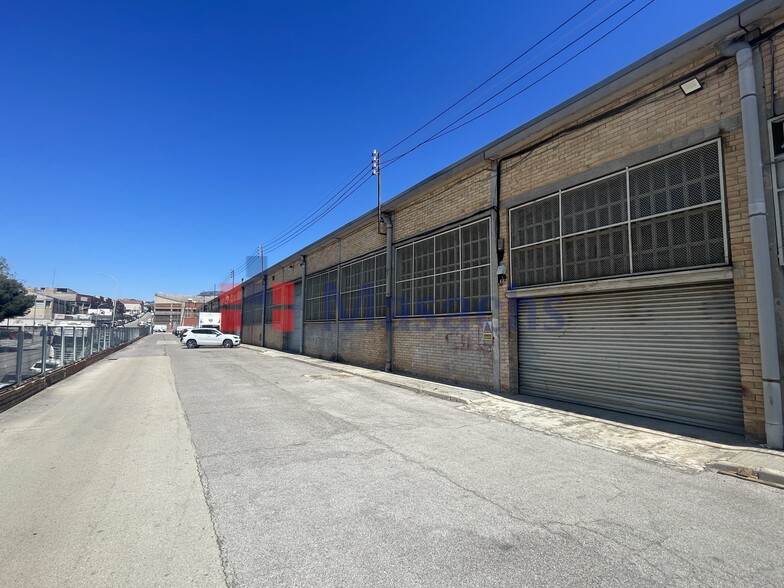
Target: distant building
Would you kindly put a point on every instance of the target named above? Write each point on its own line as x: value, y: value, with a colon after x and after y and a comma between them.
x: 74, y: 302
x: 51, y: 301
x: 132, y: 306
x: 177, y: 309
x: 46, y: 306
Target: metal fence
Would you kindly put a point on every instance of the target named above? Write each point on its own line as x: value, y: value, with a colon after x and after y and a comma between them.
x: 26, y: 352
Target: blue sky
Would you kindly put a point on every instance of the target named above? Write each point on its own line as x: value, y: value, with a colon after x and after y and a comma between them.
x: 162, y: 142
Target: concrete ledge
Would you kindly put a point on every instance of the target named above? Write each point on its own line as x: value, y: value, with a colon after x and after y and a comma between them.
x: 16, y: 394
x: 764, y: 475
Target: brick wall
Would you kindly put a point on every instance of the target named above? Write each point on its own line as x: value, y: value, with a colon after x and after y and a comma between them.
x: 321, y: 340
x: 743, y: 277
x: 450, y: 349
x: 363, y: 343
x: 461, y: 197
x: 362, y: 241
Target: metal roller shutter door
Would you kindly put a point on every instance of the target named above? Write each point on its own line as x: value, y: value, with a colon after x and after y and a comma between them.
x: 667, y: 353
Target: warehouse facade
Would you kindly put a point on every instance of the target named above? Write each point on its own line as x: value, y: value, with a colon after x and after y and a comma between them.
x: 606, y: 253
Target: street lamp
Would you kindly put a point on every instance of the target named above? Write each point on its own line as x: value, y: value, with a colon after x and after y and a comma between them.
x: 114, y: 306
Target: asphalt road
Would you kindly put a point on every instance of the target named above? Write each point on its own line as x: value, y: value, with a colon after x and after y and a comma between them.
x: 30, y: 354
x: 315, y: 478
x: 165, y: 466
x: 99, y: 485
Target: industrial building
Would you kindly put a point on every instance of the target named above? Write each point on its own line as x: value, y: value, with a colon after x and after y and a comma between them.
x: 622, y: 250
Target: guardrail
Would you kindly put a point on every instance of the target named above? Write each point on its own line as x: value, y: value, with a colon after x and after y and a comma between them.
x: 33, y: 354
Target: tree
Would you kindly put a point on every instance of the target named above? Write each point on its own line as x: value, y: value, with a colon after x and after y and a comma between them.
x: 14, y: 299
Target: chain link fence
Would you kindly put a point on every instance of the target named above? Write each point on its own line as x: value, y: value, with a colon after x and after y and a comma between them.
x: 27, y: 352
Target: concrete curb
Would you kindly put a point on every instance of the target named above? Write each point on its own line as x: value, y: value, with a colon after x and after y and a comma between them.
x: 756, y: 474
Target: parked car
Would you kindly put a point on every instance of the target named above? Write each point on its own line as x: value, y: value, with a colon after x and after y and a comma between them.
x: 159, y: 329
x: 184, y: 331
x: 25, y: 335
x: 51, y: 364
x: 209, y: 338
x: 10, y: 380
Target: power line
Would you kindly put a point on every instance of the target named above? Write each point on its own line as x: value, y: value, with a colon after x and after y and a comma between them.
x: 326, y: 206
x: 305, y: 218
x: 496, y: 74
x: 445, y: 130
x: 306, y: 226
x: 548, y: 74
x: 351, y: 186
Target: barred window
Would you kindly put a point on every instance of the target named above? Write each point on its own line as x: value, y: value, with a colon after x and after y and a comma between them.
x: 447, y: 273
x: 321, y: 296
x: 659, y: 216
x: 253, y: 303
x: 363, y: 287
x: 777, y: 171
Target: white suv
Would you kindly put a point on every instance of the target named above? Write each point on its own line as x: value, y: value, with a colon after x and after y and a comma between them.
x: 209, y: 337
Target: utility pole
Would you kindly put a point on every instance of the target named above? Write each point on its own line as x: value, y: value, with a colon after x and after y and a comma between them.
x: 232, y: 279
x: 376, y: 169
x: 261, y: 258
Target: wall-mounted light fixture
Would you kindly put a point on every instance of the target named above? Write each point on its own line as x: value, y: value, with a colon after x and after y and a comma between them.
x: 691, y: 86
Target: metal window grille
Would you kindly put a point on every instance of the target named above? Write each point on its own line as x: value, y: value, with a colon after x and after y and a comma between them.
x: 253, y: 304
x: 447, y: 273
x: 663, y: 215
x: 362, y: 288
x: 321, y: 296
x: 776, y: 135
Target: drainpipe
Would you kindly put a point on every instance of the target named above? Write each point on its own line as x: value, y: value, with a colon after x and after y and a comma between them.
x: 337, y: 302
x: 763, y: 281
x: 303, y: 264
x: 263, y: 308
x: 387, y: 216
x: 495, y: 288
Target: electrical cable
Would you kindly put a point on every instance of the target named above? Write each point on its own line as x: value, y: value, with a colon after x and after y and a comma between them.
x: 496, y: 74
x: 331, y: 202
x: 324, y: 213
x: 531, y: 85
x: 283, y: 235
x: 316, y: 214
x: 445, y: 130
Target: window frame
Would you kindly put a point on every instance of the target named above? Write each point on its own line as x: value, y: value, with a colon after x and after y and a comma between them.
x: 778, y: 192
x: 379, y: 286
x: 628, y: 222
x: 307, y: 299
x: 433, y: 273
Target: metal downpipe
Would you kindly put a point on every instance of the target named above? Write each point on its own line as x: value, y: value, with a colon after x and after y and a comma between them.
x: 301, y: 326
x: 763, y: 279
x: 495, y: 287
x: 263, y: 309
x: 388, y: 291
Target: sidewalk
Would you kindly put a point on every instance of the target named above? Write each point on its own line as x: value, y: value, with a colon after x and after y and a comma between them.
x: 679, y: 452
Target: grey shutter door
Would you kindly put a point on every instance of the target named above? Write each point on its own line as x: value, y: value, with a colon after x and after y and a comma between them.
x: 669, y: 353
